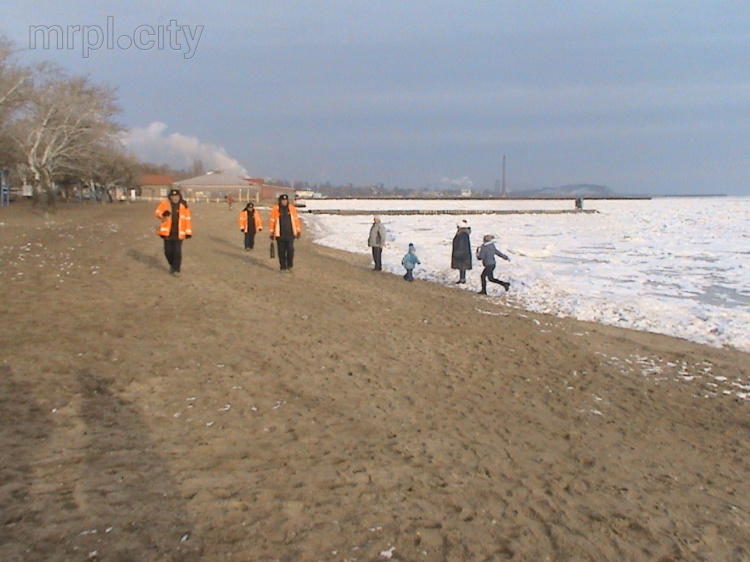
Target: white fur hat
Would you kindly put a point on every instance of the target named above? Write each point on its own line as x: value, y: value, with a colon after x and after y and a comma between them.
x: 462, y: 224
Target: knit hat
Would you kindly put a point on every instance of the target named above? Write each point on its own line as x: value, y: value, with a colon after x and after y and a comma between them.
x: 282, y: 197
x: 174, y: 192
x: 411, y: 246
x: 462, y: 224
x: 488, y: 237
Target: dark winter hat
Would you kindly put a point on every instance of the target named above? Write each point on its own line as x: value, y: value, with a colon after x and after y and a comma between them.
x: 488, y: 237
x: 174, y: 192
x: 411, y: 246
x: 283, y: 197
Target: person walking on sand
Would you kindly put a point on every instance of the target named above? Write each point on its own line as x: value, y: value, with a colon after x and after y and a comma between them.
x: 486, y: 253
x: 176, y: 226
x: 285, y: 228
x: 376, y: 241
x: 230, y: 201
x: 461, y: 255
x: 250, y: 223
x: 410, y: 261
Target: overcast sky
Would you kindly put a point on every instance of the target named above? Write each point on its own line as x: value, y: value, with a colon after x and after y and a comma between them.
x: 641, y: 96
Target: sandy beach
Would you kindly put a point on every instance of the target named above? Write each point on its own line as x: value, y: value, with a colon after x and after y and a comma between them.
x: 336, y: 413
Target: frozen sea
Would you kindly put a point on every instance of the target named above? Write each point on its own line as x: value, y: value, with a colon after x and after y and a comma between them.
x: 674, y: 266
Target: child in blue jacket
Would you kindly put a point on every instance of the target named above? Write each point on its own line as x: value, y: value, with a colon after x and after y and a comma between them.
x: 410, y: 261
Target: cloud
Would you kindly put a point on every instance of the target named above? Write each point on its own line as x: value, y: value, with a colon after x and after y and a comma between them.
x: 152, y: 144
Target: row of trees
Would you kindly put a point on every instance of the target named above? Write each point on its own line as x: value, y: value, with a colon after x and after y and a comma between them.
x: 55, y: 127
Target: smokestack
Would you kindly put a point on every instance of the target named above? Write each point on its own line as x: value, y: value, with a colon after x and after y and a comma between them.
x: 503, y: 175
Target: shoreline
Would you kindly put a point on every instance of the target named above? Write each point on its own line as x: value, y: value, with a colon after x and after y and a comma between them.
x: 638, y: 289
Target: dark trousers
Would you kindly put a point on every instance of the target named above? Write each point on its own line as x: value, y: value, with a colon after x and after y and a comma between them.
x: 249, y: 240
x: 409, y: 275
x: 173, y: 253
x: 489, y: 273
x: 377, y: 254
x: 286, y: 253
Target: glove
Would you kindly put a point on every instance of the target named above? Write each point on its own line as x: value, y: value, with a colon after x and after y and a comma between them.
x: 298, y: 235
x: 271, y: 237
x: 166, y: 214
x: 188, y: 236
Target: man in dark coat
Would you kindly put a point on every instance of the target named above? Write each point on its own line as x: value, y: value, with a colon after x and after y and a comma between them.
x: 285, y: 228
x: 461, y: 256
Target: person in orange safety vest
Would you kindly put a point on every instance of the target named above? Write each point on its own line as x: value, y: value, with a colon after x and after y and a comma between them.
x: 285, y: 228
x: 176, y: 226
x: 250, y: 223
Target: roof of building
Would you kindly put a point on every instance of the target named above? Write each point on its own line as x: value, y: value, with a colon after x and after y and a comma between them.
x: 155, y: 179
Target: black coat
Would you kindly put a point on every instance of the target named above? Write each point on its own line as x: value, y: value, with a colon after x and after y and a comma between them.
x: 461, y: 257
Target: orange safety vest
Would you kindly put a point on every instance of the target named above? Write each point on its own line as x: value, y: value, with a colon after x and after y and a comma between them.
x: 274, y: 220
x: 243, y: 220
x: 184, y: 227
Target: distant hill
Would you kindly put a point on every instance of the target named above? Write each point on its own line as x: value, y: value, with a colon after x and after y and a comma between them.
x: 577, y: 190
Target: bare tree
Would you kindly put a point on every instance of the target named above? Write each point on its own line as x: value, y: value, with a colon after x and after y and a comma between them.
x: 113, y: 167
x: 14, y: 78
x: 63, y: 126
x: 15, y: 84
x: 197, y: 169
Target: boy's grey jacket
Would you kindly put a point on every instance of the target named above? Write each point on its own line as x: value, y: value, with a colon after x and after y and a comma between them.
x: 377, y: 229
x: 487, y: 252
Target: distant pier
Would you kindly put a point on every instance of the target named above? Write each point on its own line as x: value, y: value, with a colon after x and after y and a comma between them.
x: 352, y: 212
x: 578, y: 203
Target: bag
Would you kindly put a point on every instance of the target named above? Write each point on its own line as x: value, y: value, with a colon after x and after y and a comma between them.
x: 479, y: 252
x: 273, y: 251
